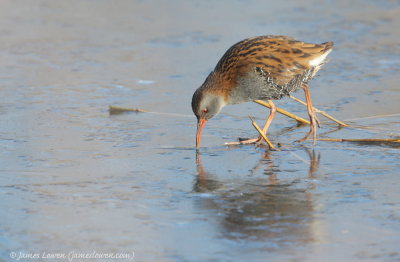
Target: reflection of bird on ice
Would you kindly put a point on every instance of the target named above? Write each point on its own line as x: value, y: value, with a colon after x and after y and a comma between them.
x: 266, y: 209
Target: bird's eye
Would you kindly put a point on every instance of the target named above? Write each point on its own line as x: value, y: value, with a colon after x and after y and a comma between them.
x: 204, y: 110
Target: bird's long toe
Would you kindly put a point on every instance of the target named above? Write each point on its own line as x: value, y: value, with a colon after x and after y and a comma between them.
x: 312, y: 131
x: 243, y: 141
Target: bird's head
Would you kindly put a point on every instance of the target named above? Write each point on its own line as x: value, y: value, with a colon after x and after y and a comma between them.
x: 205, y: 105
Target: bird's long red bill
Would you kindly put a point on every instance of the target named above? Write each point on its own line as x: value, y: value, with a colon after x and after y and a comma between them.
x: 200, y: 125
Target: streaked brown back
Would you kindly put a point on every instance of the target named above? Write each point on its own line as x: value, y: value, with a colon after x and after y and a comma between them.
x: 281, y: 57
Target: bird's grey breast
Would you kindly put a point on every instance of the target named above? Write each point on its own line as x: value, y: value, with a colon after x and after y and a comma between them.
x: 256, y: 84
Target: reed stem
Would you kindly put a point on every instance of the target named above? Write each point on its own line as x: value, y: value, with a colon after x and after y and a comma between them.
x: 320, y: 112
x: 271, y: 146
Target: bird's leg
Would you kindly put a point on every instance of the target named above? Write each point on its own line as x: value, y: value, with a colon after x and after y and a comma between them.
x: 272, y: 112
x: 311, y: 114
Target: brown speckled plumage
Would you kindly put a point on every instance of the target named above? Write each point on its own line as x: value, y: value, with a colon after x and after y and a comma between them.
x: 281, y: 58
x: 263, y: 67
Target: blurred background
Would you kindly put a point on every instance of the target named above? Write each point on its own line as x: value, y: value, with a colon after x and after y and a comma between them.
x: 75, y: 178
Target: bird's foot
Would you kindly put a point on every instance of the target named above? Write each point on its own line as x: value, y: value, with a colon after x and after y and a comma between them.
x: 306, y: 137
x: 314, y: 122
x: 312, y: 132
x: 243, y: 141
x: 246, y: 141
x: 317, y: 121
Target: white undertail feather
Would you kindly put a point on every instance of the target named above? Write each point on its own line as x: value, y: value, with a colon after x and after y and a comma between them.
x: 317, y: 62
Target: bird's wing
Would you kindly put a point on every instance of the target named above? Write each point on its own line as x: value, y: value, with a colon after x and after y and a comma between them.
x: 281, y: 58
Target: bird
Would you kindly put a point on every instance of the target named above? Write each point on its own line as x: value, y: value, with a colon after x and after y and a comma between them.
x: 267, y: 68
